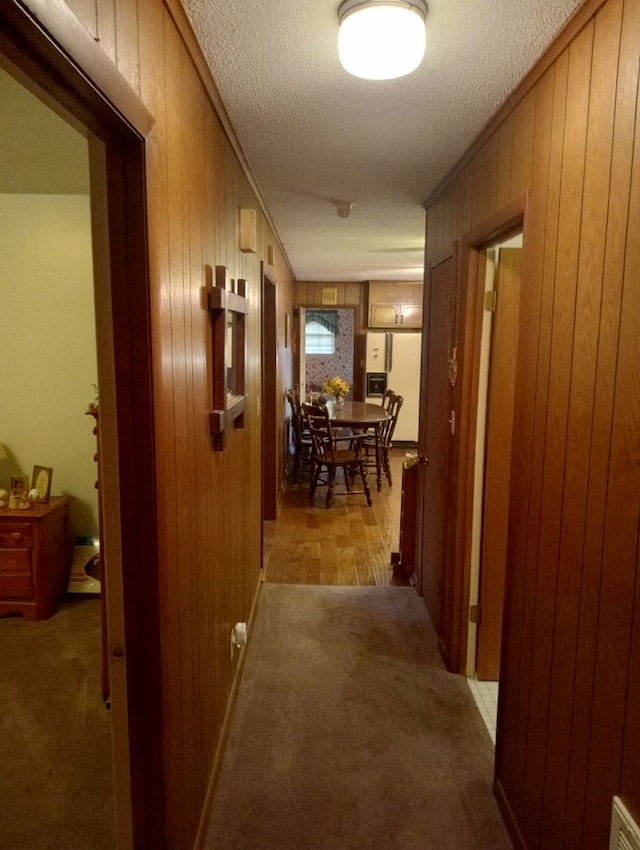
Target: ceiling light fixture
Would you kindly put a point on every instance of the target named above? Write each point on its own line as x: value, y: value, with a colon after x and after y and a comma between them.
x: 381, y: 39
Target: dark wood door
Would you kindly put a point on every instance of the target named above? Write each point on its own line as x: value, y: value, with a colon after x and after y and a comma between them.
x: 435, y: 430
x: 495, y: 513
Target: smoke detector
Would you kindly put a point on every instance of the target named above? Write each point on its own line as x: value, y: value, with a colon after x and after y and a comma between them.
x: 344, y: 208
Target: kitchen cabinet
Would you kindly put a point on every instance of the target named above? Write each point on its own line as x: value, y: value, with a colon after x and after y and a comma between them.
x: 395, y: 305
x: 35, y: 558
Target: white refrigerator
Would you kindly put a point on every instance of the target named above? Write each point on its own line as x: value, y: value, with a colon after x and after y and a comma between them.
x: 397, y: 355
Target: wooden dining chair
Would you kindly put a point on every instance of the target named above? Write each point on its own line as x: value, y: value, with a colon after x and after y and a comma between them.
x: 332, y: 452
x: 382, y: 442
x: 302, y: 445
x: 386, y: 399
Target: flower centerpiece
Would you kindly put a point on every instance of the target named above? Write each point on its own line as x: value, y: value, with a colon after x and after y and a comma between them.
x: 338, y: 388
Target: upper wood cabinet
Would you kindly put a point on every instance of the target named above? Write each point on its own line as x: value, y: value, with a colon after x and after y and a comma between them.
x: 395, y: 305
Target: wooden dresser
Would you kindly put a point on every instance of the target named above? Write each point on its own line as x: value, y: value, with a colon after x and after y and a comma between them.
x: 35, y: 558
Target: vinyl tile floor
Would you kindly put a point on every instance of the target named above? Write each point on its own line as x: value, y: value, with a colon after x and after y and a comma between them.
x: 486, y: 697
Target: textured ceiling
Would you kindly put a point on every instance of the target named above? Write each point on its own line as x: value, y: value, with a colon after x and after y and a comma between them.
x: 315, y: 136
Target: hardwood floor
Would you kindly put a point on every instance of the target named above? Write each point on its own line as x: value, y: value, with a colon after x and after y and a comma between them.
x: 349, y: 543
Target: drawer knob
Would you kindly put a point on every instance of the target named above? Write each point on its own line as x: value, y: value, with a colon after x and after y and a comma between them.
x: 15, y: 535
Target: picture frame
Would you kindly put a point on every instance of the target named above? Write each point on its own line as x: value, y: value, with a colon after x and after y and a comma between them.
x: 17, y: 484
x: 41, y: 481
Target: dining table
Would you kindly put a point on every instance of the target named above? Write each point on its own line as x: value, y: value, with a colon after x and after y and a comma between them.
x: 361, y: 416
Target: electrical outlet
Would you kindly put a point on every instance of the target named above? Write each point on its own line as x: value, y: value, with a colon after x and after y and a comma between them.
x: 238, y: 637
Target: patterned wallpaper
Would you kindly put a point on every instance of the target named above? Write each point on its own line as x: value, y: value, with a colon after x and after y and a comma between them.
x: 321, y: 366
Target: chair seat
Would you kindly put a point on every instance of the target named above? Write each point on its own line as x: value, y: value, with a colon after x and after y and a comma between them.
x: 342, y: 456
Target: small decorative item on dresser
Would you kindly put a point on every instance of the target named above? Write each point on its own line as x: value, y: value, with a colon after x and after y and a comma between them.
x: 24, y: 504
x: 41, y: 481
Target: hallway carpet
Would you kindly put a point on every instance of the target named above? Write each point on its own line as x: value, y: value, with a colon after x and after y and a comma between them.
x: 349, y: 734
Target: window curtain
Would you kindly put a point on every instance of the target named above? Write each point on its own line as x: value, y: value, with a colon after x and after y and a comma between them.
x: 326, y: 318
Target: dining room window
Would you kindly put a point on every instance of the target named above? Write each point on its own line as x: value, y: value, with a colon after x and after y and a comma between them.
x: 320, y: 332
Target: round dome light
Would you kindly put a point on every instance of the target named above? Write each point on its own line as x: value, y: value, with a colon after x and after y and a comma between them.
x: 381, y: 39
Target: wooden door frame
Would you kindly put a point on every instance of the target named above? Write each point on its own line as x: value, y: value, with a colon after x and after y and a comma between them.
x: 47, y: 49
x: 465, y: 399
x: 271, y: 444
x: 500, y: 331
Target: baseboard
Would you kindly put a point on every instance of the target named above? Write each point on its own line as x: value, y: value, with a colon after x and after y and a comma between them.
x: 226, y: 726
x: 508, y: 817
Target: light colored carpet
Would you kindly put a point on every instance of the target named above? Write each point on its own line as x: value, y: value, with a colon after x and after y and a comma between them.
x: 349, y: 733
x: 55, y: 733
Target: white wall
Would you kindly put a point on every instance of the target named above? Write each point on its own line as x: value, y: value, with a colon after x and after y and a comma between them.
x: 47, y: 345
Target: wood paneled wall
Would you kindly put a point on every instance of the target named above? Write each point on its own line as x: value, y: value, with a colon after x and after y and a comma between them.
x: 208, y: 502
x: 569, y: 727
x: 309, y: 293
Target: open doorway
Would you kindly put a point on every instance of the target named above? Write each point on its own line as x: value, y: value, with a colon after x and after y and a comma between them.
x: 327, y: 340
x: 47, y: 385
x: 128, y: 526
x: 492, y: 468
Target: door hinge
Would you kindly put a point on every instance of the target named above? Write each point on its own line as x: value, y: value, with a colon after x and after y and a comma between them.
x: 452, y: 422
x: 491, y: 301
x: 475, y: 614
